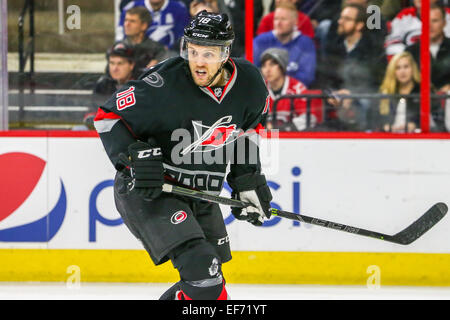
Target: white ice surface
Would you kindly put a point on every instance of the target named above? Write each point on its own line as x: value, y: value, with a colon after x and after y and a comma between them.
x: 152, y: 291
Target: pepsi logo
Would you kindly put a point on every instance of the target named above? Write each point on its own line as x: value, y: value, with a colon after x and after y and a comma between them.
x: 22, y: 175
x: 178, y: 217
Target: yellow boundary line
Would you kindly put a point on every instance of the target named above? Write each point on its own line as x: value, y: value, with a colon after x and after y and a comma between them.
x: 326, y: 268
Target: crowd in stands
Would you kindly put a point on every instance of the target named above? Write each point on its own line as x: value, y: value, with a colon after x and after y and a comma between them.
x: 338, y: 49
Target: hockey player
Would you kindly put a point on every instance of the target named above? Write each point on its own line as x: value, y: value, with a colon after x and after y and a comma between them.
x: 214, y: 98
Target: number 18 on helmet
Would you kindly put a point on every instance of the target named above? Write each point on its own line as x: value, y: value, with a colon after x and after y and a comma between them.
x: 210, y: 30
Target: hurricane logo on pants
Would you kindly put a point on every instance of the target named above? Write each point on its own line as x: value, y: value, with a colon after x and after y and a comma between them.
x: 178, y: 217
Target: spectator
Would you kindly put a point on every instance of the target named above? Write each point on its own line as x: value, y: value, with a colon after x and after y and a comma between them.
x: 301, y: 5
x: 406, y: 28
x: 123, y: 3
x: 302, y: 51
x: 273, y: 67
x: 390, y: 8
x: 169, y: 17
x: 237, y: 12
x: 189, y: 3
x: 217, y: 5
x: 403, y: 115
x: 147, y: 51
x: 354, y: 63
x: 304, y: 24
x: 306, y: 6
x: 439, y: 49
x: 325, y: 10
x: 121, y: 69
x: 326, y: 31
x: 199, y: 5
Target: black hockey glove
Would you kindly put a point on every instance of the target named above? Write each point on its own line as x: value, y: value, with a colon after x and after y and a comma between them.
x: 146, y: 169
x: 253, y: 189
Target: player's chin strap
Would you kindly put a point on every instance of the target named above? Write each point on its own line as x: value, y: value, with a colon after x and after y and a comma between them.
x: 216, y: 74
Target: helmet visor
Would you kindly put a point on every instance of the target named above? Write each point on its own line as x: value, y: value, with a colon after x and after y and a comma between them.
x: 204, y: 51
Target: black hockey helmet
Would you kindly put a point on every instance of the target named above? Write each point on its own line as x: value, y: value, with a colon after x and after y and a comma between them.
x: 211, y: 28
x: 208, y: 29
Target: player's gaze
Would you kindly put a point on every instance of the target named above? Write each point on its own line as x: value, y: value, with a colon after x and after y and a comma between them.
x: 204, y: 55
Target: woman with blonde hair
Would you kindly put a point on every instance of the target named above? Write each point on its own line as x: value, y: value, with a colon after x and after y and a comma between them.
x: 403, y: 114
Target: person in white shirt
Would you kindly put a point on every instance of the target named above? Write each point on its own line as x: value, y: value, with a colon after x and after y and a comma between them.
x: 406, y: 28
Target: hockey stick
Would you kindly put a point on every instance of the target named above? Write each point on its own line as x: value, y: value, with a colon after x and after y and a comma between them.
x: 406, y: 236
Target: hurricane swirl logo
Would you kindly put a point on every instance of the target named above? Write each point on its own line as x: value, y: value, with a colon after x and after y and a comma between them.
x: 154, y: 79
x: 209, y: 138
x: 24, y: 183
x: 178, y: 217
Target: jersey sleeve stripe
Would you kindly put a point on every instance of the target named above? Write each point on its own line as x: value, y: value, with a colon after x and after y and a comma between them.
x: 105, y: 125
x: 267, y: 104
x: 102, y: 114
x: 105, y: 121
x: 259, y: 128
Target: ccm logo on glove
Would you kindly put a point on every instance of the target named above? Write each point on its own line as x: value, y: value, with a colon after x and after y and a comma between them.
x: 142, y: 154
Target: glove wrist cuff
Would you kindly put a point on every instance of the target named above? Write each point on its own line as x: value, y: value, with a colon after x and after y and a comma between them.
x: 246, y: 182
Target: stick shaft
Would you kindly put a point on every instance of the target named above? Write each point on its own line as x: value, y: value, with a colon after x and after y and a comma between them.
x: 332, y: 225
x: 406, y: 236
x: 284, y: 214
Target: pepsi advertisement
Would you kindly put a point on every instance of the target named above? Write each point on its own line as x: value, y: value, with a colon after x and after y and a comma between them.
x: 56, y: 193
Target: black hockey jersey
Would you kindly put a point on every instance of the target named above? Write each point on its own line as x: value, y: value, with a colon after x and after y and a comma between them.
x: 199, y: 129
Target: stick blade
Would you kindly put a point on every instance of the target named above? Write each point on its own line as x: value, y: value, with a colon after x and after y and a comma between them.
x: 422, y: 225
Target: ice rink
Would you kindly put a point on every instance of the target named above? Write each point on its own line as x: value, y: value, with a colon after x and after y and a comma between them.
x: 152, y: 291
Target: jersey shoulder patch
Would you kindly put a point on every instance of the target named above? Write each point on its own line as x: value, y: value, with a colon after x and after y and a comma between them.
x: 154, y: 79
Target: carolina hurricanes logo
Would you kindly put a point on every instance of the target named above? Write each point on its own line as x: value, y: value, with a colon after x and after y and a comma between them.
x: 178, y: 217
x: 221, y: 133
x: 154, y: 79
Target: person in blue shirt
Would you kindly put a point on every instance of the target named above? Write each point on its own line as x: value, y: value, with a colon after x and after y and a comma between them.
x: 302, y: 50
x: 169, y: 17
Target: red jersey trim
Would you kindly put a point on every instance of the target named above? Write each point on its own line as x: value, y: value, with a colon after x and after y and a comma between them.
x: 102, y: 114
x: 227, y: 87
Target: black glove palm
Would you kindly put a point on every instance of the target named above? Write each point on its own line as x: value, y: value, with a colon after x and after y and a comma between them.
x: 146, y: 168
